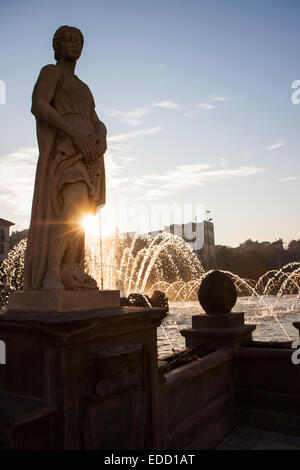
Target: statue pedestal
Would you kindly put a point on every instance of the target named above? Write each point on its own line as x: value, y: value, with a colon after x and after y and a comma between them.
x: 75, y: 380
x: 63, y: 301
x: 218, y: 331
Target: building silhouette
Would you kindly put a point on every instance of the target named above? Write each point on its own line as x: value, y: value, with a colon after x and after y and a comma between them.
x: 200, y: 236
x: 4, y: 238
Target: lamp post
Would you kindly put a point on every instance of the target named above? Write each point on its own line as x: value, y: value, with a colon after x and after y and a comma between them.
x: 101, y: 252
x: 208, y: 254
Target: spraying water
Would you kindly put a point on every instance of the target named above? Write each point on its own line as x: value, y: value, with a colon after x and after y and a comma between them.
x: 144, y: 264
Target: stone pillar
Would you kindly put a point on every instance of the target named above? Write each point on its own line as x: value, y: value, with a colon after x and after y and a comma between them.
x: 82, y: 380
x: 219, y: 327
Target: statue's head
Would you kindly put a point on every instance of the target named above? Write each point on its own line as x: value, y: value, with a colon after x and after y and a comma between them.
x: 67, y: 42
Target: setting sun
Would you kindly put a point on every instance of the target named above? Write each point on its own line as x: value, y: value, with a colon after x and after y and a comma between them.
x: 91, y: 225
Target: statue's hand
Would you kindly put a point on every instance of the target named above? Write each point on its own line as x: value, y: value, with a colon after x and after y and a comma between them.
x: 101, y: 138
x: 84, y: 144
x: 101, y: 145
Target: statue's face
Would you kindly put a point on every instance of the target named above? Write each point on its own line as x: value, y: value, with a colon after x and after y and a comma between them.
x: 70, y: 45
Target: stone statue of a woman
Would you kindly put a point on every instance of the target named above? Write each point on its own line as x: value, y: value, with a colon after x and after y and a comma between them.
x: 70, y: 175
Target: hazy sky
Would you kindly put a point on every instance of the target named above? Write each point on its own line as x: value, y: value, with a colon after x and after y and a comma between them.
x: 196, y: 96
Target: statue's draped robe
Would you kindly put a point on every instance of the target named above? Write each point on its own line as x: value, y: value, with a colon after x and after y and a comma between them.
x: 60, y: 163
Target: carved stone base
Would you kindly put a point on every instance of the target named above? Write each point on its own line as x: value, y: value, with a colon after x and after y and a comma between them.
x: 218, y: 331
x: 63, y: 301
x: 90, y: 377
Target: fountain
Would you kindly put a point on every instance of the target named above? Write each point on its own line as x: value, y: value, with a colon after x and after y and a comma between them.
x: 12, y: 271
x: 166, y: 263
x: 141, y: 264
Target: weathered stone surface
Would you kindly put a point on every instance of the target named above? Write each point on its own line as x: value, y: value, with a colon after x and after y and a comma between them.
x: 198, y: 396
x: 20, y: 414
x: 97, y: 368
x: 215, y: 338
x: 16, y: 410
x: 251, y: 438
x: 217, y: 293
x: 118, y: 399
x: 63, y: 301
x: 268, y: 389
x: 218, y: 321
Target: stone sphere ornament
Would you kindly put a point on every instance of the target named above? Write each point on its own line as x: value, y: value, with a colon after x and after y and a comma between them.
x: 217, y: 293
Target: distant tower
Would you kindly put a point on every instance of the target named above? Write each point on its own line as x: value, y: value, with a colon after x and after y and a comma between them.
x: 207, y: 252
x: 4, y: 238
